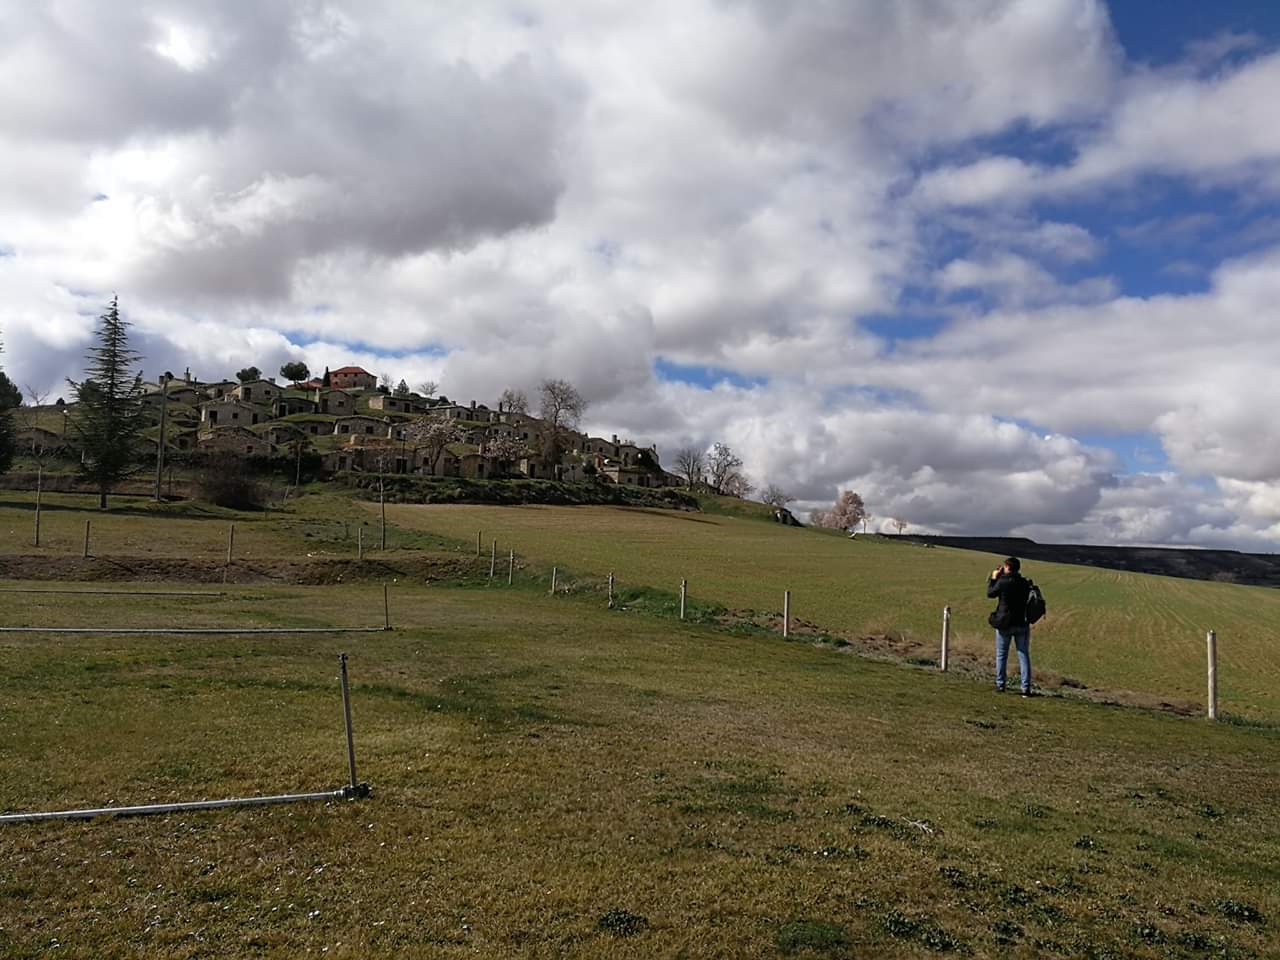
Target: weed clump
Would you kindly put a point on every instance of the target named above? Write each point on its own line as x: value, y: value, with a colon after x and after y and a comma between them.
x: 924, y: 931
x: 1240, y: 911
x: 811, y: 935
x: 622, y: 923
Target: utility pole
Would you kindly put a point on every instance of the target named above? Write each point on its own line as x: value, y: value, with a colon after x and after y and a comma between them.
x: 164, y: 409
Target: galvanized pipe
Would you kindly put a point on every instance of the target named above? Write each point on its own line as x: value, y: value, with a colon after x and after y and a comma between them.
x: 346, y: 713
x: 116, y: 593
x: 160, y: 808
x: 193, y: 631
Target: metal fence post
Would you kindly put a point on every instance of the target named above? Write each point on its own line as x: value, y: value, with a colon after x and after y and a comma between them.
x: 511, y: 566
x: 231, y: 542
x: 386, y: 607
x: 786, y: 614
x: 553, y: 581
x: 346, y: 714
x: 1213, y: 675
x: 946, y: 638
x: 85, y: 554
x: 611, y: 590
x: 684, y: 593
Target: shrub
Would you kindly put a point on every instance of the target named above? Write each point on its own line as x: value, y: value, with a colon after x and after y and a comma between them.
x: 225, y: 479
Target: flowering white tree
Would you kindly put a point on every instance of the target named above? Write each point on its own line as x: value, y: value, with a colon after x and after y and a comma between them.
x: 504, y: 450
x: 846, y: 514
x: 432, y: 435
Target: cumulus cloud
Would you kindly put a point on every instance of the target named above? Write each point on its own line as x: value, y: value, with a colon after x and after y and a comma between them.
x: 485, y: 195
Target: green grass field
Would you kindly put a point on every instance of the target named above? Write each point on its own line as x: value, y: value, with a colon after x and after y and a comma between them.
x: 1117, y: 630
x: 552, y: 779
x: 555, y: 779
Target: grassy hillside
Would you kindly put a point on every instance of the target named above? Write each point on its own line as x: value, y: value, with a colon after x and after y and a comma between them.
x: 1117, y: 630
x: 555, y: 780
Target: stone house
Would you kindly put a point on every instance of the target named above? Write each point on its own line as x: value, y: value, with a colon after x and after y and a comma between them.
x: 623, y: 475
x: 598, y: 446
x: 287, y: 406
x: 178, y: 392
x: 237, y: 440
x: 228, y: 412
x: 258, y: 391
x: 389, y: 403
x: 282, y: 433
x: 361, y: 425
x: 216, y: 391
x: 336, y: 402
x: 352, y: 378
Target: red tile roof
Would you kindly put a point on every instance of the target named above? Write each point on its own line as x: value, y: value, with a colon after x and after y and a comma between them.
x: 351, y: 370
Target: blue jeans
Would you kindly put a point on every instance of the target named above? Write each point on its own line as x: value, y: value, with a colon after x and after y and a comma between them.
x: 1021, y: 638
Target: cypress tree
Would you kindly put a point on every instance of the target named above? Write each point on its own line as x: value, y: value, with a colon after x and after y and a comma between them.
x: 108, y: 417
x: 9, y: 398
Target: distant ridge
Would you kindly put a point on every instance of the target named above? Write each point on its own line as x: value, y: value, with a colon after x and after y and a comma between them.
x: 1229, y: 566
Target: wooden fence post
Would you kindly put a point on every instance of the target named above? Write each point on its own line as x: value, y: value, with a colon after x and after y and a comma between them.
x: 231, y: 542
x: 360, y: 542
x: 386, y: 607
x: 493, y: 559
x: 85, y: 554
x: 1213, y: 675
x: 478, y: 532
x: 946, y: 638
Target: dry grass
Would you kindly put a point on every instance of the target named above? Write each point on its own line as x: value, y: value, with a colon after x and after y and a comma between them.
x: 555, y: 780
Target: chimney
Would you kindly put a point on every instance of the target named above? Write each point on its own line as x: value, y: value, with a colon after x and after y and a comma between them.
x: 473, y: 404
x: 615, y: 439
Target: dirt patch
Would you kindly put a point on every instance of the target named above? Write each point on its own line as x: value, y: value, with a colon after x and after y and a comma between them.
x: 162, y: 570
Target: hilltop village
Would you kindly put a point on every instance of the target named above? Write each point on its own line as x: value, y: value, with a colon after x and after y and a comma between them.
x: 352, y: 424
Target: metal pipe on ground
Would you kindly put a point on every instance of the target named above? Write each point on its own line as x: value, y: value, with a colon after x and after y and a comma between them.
x: 193, y: 631
x: 116, y: 593
x: 342, y: 793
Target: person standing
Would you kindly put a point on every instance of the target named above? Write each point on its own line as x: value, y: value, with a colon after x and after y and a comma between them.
x: 1010, y: 589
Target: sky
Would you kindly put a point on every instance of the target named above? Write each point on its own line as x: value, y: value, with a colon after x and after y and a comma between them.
x: 1001, y: 267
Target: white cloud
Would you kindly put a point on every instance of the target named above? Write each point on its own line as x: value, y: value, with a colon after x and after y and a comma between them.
x: 486, y: 195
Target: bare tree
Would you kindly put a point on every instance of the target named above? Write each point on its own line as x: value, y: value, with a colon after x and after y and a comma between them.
x: 36, y: 446
x: 514, y: 401
x: 428, y: 388
x: 561, y: 407
x: 899, y: 525
x: 385, y: 383
x: 433, y: 434
x: 846, y: 514
x: 776, y: 497
x: 722, y: 463
x: 689, y: 464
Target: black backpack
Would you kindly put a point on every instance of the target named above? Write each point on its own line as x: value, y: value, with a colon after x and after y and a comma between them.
x: 1035, y: 604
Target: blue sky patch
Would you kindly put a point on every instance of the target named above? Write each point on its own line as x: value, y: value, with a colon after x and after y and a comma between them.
x: 701, y: 376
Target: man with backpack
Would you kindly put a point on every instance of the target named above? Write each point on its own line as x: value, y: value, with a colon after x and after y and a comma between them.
x: 1019, y: 604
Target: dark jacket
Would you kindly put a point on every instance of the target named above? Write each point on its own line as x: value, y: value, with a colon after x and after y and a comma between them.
x: 1010, y: 591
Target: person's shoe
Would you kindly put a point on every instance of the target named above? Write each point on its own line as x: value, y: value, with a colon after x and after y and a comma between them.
x: 999, y: 689
x: 1026, y: 694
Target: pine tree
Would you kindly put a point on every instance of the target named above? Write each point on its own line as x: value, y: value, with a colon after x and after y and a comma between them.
x: 9, y: 398
x: 108, y: 416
